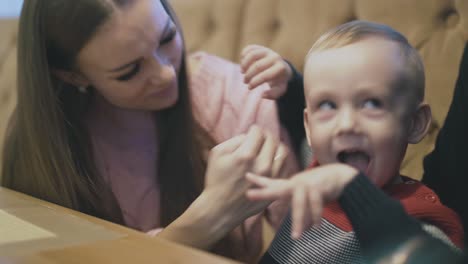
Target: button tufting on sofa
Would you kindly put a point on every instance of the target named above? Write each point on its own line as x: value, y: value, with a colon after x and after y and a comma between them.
x: 452, y: 19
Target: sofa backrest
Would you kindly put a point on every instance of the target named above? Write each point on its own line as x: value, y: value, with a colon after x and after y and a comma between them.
x: 437, y: 28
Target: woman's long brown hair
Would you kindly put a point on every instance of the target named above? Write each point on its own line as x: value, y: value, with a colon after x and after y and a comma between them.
x: 48, y: 152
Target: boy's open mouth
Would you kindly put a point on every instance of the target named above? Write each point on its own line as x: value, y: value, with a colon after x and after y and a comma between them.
x: 355, y: 158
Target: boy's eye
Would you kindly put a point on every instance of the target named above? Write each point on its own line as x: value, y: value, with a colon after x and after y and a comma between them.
x: 326, y: 105
x: 372, y: 103
x: 129, y: 75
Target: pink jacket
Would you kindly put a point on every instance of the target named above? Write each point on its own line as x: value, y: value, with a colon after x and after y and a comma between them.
x: 222, y: 103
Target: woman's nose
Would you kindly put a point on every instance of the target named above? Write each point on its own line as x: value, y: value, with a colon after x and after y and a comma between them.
x: 162, y: 70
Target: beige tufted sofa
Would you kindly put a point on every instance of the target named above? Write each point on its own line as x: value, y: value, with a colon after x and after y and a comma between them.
x: 438, y: 28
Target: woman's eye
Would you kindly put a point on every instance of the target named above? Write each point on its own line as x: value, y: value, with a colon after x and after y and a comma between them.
x: 372, y: 104
x: 129, y: 75
x: 326, y: 105
x: 168, y: 38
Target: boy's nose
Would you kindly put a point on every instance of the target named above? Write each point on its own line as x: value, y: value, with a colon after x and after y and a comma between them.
x: 347, y: 122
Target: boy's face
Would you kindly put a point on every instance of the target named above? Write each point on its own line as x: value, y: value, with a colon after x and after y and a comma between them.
x: 353, y: 113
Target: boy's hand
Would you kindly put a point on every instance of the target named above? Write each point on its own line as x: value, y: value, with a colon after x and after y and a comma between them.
x: 309, y: 190
x: 262, y: 65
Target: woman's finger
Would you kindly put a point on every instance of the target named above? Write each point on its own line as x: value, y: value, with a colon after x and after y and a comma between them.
x: 251, y: 145
x: 264, y: 161
x: 280, y: 162
x: 229, y: 145
x: 258, y: 180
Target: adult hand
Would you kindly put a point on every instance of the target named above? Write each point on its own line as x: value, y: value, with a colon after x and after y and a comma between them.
x: 223, y: 206
x: 262, y: 65
x: 258, y: 152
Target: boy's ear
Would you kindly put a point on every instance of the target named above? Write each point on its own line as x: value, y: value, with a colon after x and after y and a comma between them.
x: 420, y: 123
x: 72, y: 78
x: 306, y: 126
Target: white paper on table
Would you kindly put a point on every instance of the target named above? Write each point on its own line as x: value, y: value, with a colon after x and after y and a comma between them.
x: 14, y: 229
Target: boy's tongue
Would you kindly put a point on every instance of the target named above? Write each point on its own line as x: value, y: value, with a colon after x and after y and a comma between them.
x: 358, y: 160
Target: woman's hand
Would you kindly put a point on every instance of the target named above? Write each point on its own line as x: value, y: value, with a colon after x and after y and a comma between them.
x: 154, y: 232
x: 222, y: 206
x: 257, y: 152
x: 261, y: 65
x: 309, y: 192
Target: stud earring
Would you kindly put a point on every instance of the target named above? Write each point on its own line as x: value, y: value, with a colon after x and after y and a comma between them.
x: 83, y: 89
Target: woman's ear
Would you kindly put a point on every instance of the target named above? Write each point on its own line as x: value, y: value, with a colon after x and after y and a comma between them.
x: 73, y: 78
x: 420, y: 123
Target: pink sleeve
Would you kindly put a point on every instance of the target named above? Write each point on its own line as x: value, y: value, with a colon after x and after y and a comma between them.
x: 223, y: 105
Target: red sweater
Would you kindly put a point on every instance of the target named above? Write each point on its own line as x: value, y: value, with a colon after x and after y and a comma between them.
x: 419, y: 201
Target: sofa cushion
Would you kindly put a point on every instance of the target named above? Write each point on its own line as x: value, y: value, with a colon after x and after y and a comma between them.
x: 211, y: 25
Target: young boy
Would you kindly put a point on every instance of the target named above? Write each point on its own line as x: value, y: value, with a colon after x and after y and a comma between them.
x: 364, y: 90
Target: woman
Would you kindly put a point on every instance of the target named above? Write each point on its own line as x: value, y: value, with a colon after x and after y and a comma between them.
x: 105, y: 124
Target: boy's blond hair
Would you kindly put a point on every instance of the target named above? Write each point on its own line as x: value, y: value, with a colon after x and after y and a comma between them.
x: 413, y: 78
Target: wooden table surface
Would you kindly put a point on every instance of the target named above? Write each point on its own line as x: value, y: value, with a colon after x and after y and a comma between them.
x: 80, y: 238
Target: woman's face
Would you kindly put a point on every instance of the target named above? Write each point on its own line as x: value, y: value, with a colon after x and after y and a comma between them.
x: 134, y: 58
